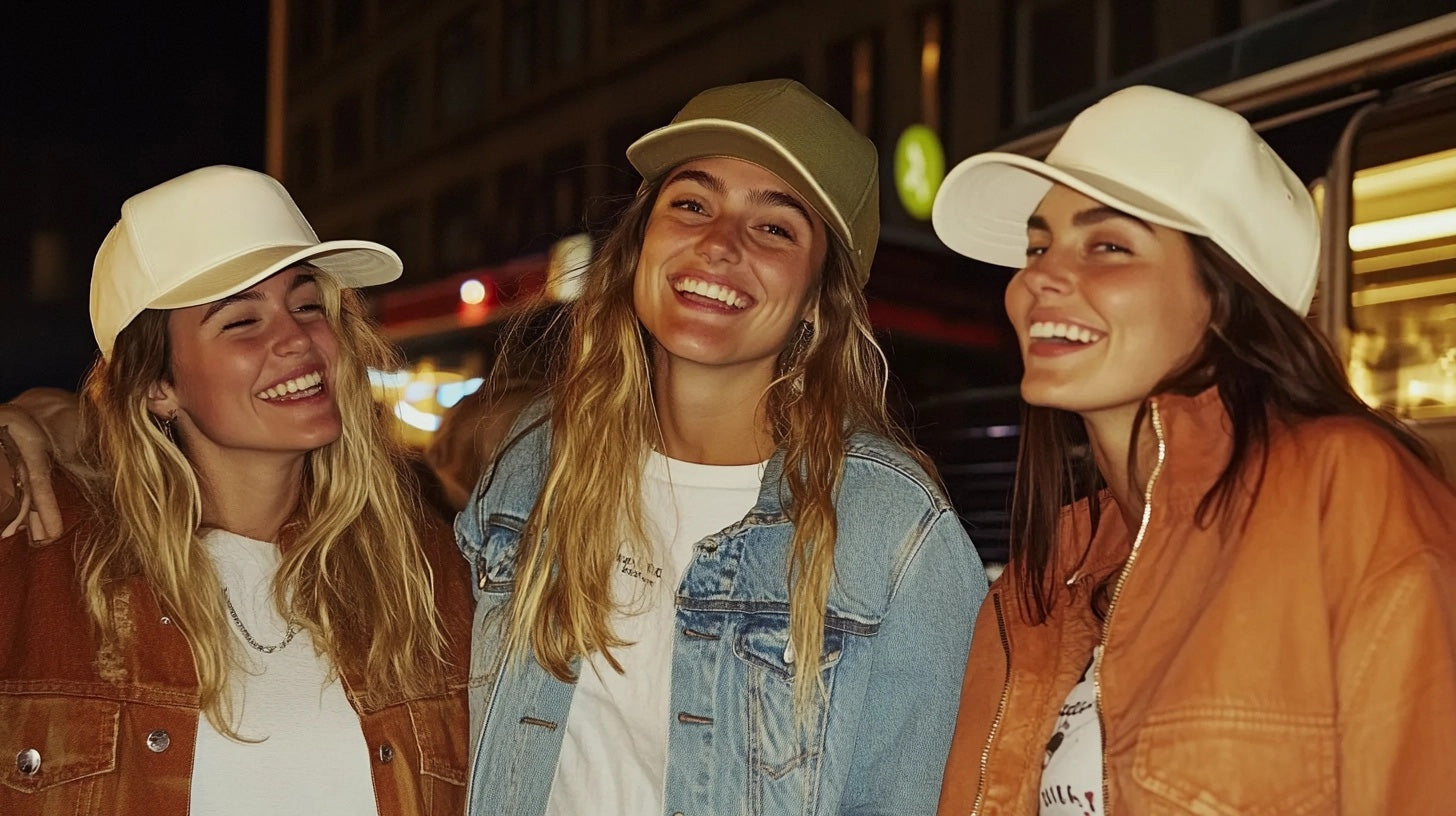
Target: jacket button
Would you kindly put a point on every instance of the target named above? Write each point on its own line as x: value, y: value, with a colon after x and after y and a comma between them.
x: 158, y: 741
x: 28, y: 762
x: 386, y: 753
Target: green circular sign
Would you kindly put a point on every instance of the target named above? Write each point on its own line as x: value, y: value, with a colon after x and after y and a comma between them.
x: 919, y: 169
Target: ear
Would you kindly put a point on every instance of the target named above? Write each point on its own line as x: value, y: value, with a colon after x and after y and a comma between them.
x: 162, y: 400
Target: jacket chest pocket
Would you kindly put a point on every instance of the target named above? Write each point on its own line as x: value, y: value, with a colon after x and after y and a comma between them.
x: 778, y: 741
x: 1218, y: 761
x: 58, y: 754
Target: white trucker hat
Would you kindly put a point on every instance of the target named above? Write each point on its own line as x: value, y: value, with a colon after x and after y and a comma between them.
x: 1164, y: 157
x: 208, y: 234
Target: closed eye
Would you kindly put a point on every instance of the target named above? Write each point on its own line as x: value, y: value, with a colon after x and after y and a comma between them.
x: 235, y: 324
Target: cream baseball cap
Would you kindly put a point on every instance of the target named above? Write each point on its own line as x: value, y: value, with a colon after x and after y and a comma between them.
x: 781, y: 126
x: 208, y: 234
x: 1167, y: 158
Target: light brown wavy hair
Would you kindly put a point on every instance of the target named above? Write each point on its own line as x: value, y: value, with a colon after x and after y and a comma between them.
x: 351, y: 558
x: 603, y: 424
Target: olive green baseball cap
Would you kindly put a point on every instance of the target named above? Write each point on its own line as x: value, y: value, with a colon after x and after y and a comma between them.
x: 781, y: 126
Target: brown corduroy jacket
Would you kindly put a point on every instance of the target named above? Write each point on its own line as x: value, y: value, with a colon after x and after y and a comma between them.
x: 106, y: 746
x: 1304, y: 663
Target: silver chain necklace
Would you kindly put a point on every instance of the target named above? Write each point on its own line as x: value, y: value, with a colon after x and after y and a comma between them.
x: 243, y: 630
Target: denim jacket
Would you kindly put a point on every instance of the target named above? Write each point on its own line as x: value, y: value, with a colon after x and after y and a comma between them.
x: 906, y: 590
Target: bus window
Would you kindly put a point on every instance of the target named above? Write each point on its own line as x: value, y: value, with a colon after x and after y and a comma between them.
x: 1402, y: 244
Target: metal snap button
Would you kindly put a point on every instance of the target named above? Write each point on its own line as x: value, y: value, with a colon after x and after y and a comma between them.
x: 158, y: 741
x: 28, y: 762
x: 386, y: 753
x: 166, y: 621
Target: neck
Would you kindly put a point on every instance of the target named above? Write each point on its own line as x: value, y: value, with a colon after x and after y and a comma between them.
x: 713, y: 415
x: 253, y: 496
x: 1110, y: 433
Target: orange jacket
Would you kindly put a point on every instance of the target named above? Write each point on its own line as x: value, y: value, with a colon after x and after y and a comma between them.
x: 1305, y: 664
x: 121, y: 747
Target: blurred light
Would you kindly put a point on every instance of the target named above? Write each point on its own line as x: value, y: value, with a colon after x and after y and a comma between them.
x: 415, y: 418
x: 1409, y: 229
x: 388, y: 379
x: 451, y: 393
x: 472, y: 292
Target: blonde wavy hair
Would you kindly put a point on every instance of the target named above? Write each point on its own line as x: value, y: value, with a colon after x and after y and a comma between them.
x: 351, y: 561
x: 603, y: 423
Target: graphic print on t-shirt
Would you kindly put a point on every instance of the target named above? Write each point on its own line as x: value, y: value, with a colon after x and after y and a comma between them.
x: 1071, y: 776
x: 631, y: 567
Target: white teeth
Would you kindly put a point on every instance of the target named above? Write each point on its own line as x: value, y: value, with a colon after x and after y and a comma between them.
x: 307, y: 382
x: 1065, y: 331
x: 716, y: 291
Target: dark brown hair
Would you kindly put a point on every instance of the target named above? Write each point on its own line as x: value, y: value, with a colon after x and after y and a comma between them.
x: 1268, y: 364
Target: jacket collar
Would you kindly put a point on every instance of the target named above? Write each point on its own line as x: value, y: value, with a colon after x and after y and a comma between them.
x: 1197, y: 439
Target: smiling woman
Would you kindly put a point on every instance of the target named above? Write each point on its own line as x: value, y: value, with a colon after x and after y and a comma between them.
x: 239, y: 592
x: 1241, y: 600
x: 712, y: 576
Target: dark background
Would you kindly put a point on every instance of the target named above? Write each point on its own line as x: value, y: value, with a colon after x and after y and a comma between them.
x: 97, y: 102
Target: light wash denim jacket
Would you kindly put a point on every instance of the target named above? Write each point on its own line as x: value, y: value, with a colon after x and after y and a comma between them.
x: 905, y: 594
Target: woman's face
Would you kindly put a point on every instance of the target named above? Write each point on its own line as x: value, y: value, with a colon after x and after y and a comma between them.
x: 251, y: 372
x: 729, y: 261
x: 1106, y: 307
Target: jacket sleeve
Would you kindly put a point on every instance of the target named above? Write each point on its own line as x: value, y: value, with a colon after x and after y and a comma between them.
x: 914, y: 691
x: 1395, y: 633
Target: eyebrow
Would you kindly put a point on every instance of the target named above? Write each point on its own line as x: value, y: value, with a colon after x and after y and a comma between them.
x: 1088, y: 217
x: 771, y: 198
x: 303, y: 279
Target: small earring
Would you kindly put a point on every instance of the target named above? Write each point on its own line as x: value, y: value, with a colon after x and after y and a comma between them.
x: 167, y: 424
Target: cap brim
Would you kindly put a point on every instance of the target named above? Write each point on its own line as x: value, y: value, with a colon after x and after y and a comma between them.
x: 983, y: 205
x: 667, y: 147
x: 355, y: 264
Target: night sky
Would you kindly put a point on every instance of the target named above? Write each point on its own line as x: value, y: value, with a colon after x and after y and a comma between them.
x: 97, y: 102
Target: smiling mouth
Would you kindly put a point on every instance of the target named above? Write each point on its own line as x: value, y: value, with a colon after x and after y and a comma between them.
x: 297, y: 388
x: 1063, y: 332
x: 725, y: 295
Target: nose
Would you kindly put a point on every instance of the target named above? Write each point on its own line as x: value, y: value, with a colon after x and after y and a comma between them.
x: 720, y: 241
x: 1051, y: 272
x: 290, y: 337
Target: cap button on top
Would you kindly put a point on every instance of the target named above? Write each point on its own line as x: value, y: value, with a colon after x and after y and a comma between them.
x: 28, y: 762
x: 158, y: 741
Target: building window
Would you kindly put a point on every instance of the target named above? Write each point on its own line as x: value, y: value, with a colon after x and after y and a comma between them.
x: 398, y: 108
x: 570, y: 24
x: 303, y: 156
x: 566, y: 172
x: 305, y: 32
x: 853, y: 80
x: 401, y: 229
x: 520, y: 45
x: 1063, y: 48
x: 458, y: 228
x: 348, y: 133
x: 933, y: 76
x: 461, y: 68
x: 348, y: 19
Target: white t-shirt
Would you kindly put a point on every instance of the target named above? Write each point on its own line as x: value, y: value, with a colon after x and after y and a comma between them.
x: 313, y: 760
x: 1071, y: 775
x: 614, y: 751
